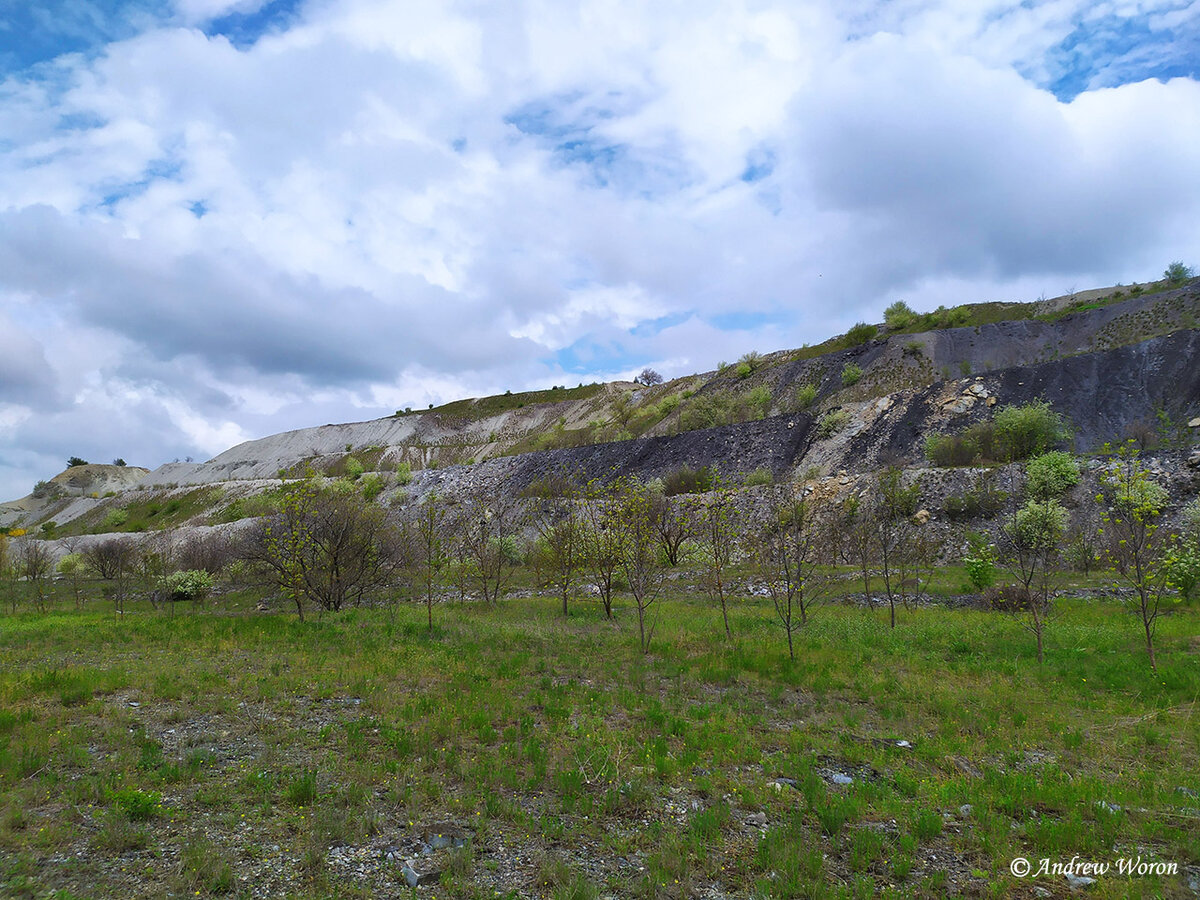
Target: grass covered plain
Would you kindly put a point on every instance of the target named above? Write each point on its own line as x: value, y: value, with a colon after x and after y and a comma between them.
x: 227, y: 751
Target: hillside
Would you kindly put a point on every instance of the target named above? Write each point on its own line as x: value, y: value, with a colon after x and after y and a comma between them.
x: 1111, y: 361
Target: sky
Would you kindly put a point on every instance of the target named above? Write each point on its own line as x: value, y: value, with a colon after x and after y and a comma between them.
x: 221, y: 219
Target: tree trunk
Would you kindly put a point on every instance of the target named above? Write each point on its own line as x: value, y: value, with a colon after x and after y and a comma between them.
x: 1146, y: 623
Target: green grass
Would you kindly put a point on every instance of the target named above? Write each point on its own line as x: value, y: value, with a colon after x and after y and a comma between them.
x: 481, y: 408
x: 184, y: 752
x: 148, y: 511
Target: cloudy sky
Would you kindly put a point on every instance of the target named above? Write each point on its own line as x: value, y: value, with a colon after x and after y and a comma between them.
x: 220, y: 219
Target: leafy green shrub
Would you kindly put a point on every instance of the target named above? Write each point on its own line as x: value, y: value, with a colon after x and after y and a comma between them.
x: 1177, y: 272
x: 899, y: 316
x: 805, y: 395
x: 759, y: 477
x: 510, y: 549
x: 404, y: 474
x: 1142, y: 496
x: 834, y: 421
x: 372, y: 486
x: 46, y: 489
x: 851, y: 374
x: 353, y: 468
x: 759, y: 400
x: 980, y: 561
x: 1051, y: 475
x: 76, y: 461
x: 194, y: 584
x: 860, y: 333
x: 1080, y: 550
x: 1025, y: 431
x: 115, y: 518
x: 751, y: 360
x: 946, y: 450
x: 340, y: 487
x: 1182, y: 564
x: 1039, y: 524
x: 719, y: 408
x: 686, y: 480
x: 983, y: 503
x: 974, y: 445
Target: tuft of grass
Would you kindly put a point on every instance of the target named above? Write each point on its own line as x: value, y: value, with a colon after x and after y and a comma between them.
x: 203, y: 869
x: 302, y: 789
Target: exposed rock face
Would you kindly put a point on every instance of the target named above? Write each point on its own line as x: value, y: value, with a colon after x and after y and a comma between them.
x: 71, y: 486
x: 1101, y: 395
x: 847, y: 426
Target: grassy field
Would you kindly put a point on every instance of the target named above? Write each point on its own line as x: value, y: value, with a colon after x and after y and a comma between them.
x: 229, y: 751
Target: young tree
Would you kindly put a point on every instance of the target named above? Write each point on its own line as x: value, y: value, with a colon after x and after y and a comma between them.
x: 639, y: 560
x: 718, y: 526
x: 858, y: 525
x: 893, y: 532
x: 560, y: 543
x: 208, y: 549
x: 601, y: 537
x: 8, y: 572
x: 672, y: 525
x: 1030, y: 540
x: 488, y: 531
x: 788, y: 551
x: 326, y: 547
x: 1134, y: 546
x: 35, y: 564
x: 284, y: 542
x: 154, y: 560
x: 113, y: 560
x: 428, y: 528
x: 350, y: 557
x: 71, y: 567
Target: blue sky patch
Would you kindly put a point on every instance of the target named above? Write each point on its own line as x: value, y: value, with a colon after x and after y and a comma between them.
x: 760, y: 162
x: 651, y: 327
x: 245, y: 29
x: 587, y: 356
x: 37, y: 32
x: 570, y: 127
x: 1118, y: 50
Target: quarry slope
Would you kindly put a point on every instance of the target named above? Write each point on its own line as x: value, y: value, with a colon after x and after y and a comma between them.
x: 1106, y: 362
